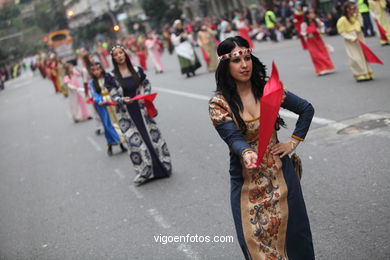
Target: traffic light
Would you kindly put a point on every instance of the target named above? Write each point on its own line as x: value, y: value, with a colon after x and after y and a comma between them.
x: 116, y: 27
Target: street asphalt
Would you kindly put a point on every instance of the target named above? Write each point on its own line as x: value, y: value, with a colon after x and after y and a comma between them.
x: 62, y: 197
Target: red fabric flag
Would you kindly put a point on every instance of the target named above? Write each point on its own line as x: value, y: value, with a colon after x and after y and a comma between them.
x: 205, y: 56
x: 148, y: 103
x: 269, y: 107
x: 382, y: 32
x: 369, y: 55
x: 109, y: 103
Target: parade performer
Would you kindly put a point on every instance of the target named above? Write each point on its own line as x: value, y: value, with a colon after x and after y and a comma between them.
x: 243, y: 28
x: 87, y: 61
x: 155, y: 50
x: 267, y: 203
x: 51, y: 71
x: 188, y: 60
x: 206, y: 40
x: 298, y: 20
x: 148, y: 150
x: 78, y: 105
x: 378, y: 11
x: 349, y: 28
x: 97, y: 91
x: 311, y: 29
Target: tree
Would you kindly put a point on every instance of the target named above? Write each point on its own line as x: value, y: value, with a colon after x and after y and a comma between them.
x: 155, y: 10
x: 50, y: 15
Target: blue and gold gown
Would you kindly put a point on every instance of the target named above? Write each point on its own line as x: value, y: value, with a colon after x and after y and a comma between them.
x: 267, y: 203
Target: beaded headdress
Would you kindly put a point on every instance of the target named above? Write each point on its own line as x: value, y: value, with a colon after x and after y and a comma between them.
x: 116, y: 46
x: 235, y: 54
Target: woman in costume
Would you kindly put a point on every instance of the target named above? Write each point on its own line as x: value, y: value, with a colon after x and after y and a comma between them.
x: 100, y: 96
x: 206, y: 40
x: 148, y: 150
x: 378, y: 12
x: 311, y: 29
x: 267, y: 202
x: 87, y: 61
x: 243, y: 28
x: 350, y: 29
x: 188, y: 60
x: 155, y: 50
x: 78, y: 106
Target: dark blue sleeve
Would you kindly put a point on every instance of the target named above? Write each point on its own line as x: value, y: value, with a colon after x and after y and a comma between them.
x: 110, y: 82
x: 305, y: 111
x: 141, y: 73
x: 232, y: 136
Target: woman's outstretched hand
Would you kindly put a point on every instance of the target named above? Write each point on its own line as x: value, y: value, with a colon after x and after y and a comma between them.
x: 250, y: 159
x: 128, y: 100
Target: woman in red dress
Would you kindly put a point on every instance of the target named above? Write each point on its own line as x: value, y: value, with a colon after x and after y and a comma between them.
x: 311, y: 29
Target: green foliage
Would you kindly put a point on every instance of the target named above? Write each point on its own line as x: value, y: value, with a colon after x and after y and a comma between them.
x: 8, y: 16
x: 50, y: 15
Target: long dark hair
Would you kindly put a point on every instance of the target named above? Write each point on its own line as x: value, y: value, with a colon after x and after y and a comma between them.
x: 307, y: 20
x: 130, y: 66
x: 95, y: 79
x: 226, y: 85
x: 87, y: 62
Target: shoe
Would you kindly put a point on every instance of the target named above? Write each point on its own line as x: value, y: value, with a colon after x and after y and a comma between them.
x: 89, y: 118
x: 193, y: 73
x: 138, y: 180
x: 109, y: 150
x: 188, y: 75
x: 123, y: 148
x: 98, y: 132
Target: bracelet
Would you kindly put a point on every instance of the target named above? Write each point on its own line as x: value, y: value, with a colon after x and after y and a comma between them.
x: 294, y: 144
x: 245, y: 152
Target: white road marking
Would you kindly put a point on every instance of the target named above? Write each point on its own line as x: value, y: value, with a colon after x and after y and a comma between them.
x: 137, y: 193
x: 120, y: 174
x: 94, y: 144
x: 184, y: 94
x: 285, y: 113
x: 19, y: 85
x: 159, y: 218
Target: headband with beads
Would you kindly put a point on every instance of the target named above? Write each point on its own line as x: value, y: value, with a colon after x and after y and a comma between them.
x: 116, y: 46
x: 235, y: 54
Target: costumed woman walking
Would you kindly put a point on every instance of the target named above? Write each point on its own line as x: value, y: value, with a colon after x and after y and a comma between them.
x: 148, y: 150
x: 78, y: 105
x: 311, y: 29
x: 206, y: 40
x: 188, y: 60
x: 155, y: 51
x: 350, y: 29
x: 378, y: 11
x: 97, y: 87
x: 267, y: 203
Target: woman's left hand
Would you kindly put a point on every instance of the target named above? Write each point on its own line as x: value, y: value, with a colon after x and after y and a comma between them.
x: 283, y: 148
x: 141, y: 101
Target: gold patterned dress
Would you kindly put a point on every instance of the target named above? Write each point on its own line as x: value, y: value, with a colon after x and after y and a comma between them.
x: 261, y: 198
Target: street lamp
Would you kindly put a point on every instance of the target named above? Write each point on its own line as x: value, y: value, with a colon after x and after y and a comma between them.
x: 70, y: 13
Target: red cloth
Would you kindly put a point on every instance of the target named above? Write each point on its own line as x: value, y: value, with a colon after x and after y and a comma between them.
x: 90, y: 100
x: 152, y: 112
x: 382, y: 32
x: 369, y: 55
x: 244, y: 33
x: 318, y: 52
x: 269, y: 107
x: 109, y: 103
x: 205, y: 56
